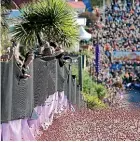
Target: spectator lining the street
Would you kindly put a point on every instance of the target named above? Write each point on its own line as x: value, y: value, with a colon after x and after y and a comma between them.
x: 121, y: 32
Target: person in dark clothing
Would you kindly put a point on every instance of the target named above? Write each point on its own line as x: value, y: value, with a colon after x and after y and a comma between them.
x: 60, y: 58
x: 28, y: 60
x: 130, y: 77
x: 108, y: 54
x: 54, y: 45
x: 13, y: 43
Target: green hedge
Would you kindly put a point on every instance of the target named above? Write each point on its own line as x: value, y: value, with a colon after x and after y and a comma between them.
x: 93, y: 93
x: 93, y: 101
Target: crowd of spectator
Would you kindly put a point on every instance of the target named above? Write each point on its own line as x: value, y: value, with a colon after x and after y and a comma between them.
x: 120, y: 32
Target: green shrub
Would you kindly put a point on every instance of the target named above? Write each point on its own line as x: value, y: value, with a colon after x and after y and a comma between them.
x: 75, y: 72
x: 87, y: 83
x: 93, y: 101
x: 100, y: 90
x: 89, y: 86
x: 93, y: 93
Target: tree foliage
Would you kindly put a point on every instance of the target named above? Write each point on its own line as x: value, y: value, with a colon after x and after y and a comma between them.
x: 6, y: 3
x: 47, y: 20
x: 5, y: 8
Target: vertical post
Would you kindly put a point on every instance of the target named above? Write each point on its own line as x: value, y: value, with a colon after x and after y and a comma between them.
x: 69, y: 97
x: 79, y: 95
x: 83, y: 61
x: 75, y: 90
x: 80, y: 72
x: 56, y: 83
x: 95, y: 53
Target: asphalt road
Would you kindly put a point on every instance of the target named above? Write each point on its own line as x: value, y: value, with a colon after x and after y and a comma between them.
x: 134, y: 97
x: 116, y: 124
x: 119, y: 123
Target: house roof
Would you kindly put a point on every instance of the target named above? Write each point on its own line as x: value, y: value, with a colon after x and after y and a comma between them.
x: 14, y: 14
x: 78, y: 4
x: 19, y: 3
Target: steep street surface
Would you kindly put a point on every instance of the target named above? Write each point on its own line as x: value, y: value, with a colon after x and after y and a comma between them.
x: 114, y: 124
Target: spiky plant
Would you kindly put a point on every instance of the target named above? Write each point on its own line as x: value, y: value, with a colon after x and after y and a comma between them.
x: 49, y: 20
x: 5, y: 8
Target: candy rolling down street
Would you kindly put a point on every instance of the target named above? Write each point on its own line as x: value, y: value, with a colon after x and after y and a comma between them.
x: 70, y: 71
x: 120, y: 72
